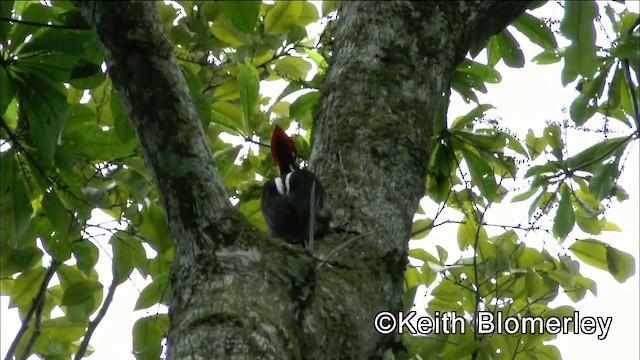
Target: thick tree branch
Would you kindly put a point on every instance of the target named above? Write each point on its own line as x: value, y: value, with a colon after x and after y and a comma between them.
x: 237, y: 295
x: 229, y: 297
x: 157, y: 101
x: 392, y: 62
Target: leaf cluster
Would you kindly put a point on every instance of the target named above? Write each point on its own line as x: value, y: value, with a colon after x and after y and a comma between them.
x: 70, y: 157
x: 474, y: 164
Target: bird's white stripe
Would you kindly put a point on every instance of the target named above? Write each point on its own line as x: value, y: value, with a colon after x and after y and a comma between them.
x: 279, y: 185
x: 283, y: 187
x: 287, y: 182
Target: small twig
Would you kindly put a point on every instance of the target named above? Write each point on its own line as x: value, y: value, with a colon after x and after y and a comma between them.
x: 312, y: 215
x: 460, y: 222
x: 344, y: 175
x: 340, y: 247
x: 94, y: 324
x: 36, y: 330
x: 36, y: 303
x: 53, y: 26
x: 250, y: 140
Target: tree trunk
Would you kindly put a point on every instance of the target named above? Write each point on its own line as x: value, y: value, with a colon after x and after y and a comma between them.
x: 238, y: 293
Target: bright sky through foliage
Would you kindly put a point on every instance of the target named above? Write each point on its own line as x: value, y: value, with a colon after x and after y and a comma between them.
x: 525, y: 99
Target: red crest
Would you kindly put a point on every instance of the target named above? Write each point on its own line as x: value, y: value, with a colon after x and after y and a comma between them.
x: 283, y: 150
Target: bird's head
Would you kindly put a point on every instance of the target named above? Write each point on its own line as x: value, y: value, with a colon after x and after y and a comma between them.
x: 283, y: 151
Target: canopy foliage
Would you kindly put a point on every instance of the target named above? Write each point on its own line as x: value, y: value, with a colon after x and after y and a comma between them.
x: 67, y: 150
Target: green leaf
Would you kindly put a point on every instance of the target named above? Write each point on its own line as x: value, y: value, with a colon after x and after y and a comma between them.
x: 614, y: 90
x: 525, y: 195
x: 477, y: 113
x: 468, y: 234
x: 515, y: 145
x: 86, y: 254
x: 203, y: 105
x: 493, y: 51
x: 158, y: 292
x: 25, y: 287
x: 90, y: 141
x: 59, y: 247
x: 59, y: 216
x: 422, y: 255
x: 427, y: 274
x: 329, y: 6
x: 591, y: 252
x: 13, y: 261
x: 577, y: 26
x: 536, y: 30
x: 125, y: 250
x: 309, y: 15
x: 227, y: 114
x: 585, y: 105
x: 481, y: 175
x: 551, y: 56
x: 79, y: 292
x: 293, y: 68
x: 603, y: 181
x: 228, y: 90
x: 46, y: 109
x: 541, y: 202
x: 225, y: 158
x: 242, y: 14
x: 553, y: 134
x: 621, y: 264
x: 72, y: 42
x: 61, y: 329
x: 483, y: 72
x: 86, y: 75
x: 510, y: 49
x: 471, y: 75
x: 226, y: 32
x: 120, y: 119
x: 602, y: 256
x: 609, y: 226
x: 581, y: 110
x: 535, y: 145
x: 154, y: 230
x: 7, y: 91
x: 27, y: 11
x: 302, y: 107
x: 282, y: 16
x: 249, y: 92
x: 318, y: 59
x: 597, y: 153
x: 15, y: 204
x: 442, y: 254
x: 587, y: 222
x: 484, y: 141
x: 69, y: 274
x: 148, y: 333
x: 5, y: 26
x: 565, y: 218
x: 421, y: 228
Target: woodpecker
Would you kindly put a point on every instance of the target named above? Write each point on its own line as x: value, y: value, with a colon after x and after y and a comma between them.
x: 286, y: 200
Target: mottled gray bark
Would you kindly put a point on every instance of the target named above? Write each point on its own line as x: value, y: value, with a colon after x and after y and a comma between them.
x: 392, y: 62
x: 238, y: 294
